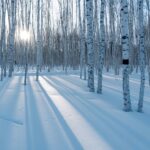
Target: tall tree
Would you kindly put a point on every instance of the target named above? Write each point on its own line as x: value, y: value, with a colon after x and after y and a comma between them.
x: 38, y: 41
x: 12, y: 27
x: 83, y: 36
x: 102, y: 47
x: 3, y: 44
x: 112, y: 32
x: 141, y: 55
x: 89, y: 14
x: 125, y: 54
x: 49, y: 35
x: 131, y: 33
x: 81, y: 39
x: 27, y: 16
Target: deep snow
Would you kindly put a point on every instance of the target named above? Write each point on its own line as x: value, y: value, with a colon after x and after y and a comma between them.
x: 59, y: 113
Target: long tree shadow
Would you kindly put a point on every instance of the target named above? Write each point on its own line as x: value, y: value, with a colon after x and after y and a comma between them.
x: 105, y: 123
x: 11, y: 98
x: 10, y: 111
x: 4, y: 85
x: 35, y: 136
x: 80, y: 89
x: 72, y: 138
x: 109, y: 88
x: 107, y: 84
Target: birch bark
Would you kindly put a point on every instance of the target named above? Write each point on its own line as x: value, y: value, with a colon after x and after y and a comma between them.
x: 141, y: 55
x: 102, y: 48
x: 125, y: 54
x: 38, y: 41
x: 12, y: 24
x: 81, y: 39
x: 3, y: 47
x: 89, y: 14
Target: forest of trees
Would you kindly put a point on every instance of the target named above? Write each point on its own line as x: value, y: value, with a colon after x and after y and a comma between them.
x: 90, y: 35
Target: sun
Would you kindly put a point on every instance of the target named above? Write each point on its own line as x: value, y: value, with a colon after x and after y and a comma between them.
x: 24, y: 35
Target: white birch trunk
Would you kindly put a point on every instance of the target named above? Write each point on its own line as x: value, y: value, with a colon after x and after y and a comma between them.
x: 125, y: 54
x: 131, y: 21
x: 66, y: 36
x: 38, y: 41
x: 3, y: 47
x: 148, y: 40
x: 96, y: 34
x: 81, y: 40
x: 102, y: 48
x: 84, y: 29
x: 141, y: 55
x: 89, y: 14
x: 49, y: 36
x: 41, y: 35
x: 27, y: 16
x: 112, y: 32
x: 12, y: 23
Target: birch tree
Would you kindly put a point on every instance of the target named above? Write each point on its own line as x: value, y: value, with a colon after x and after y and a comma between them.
x: 3, y: 44
x: 141, y: 55
x: 41, y: 34
x: 89, y: 14
x: 96, y: 33
x: 81, y: 40
x: 112, y: 31
x: 12, y: 27
x: 38, y: 41
x: 49, y: 34
x: 83, y: 36
x: 148, y: 38
x: 102, y: 47
x: 131, y: 34
x: 27, y: 16
x: 125, y: 54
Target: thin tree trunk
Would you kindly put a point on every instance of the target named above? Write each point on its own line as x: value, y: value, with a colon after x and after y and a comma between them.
x: 89, y: 9
x: 141, y: 55
x: 81, y: 40
x: 102, y: 48
x: 125, y: 54
x: 3, y: 47
x: 27, y: 12
x: 38, y: 41
x: 12, y: 23
x: 84, y: 41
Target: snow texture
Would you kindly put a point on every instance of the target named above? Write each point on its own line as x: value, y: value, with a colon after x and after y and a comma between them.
x: 59, y: 113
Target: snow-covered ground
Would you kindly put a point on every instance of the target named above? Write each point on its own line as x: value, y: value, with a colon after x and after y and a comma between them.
x: 59, y: 113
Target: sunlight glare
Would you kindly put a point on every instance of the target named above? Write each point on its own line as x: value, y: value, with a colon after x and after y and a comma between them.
x: 24, y: 35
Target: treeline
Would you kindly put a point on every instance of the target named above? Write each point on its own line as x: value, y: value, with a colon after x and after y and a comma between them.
x: 84, y: 34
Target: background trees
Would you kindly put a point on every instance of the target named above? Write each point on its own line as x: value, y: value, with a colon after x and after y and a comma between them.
x: 78, y: 34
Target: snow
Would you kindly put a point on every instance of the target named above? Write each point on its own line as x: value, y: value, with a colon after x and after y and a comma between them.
x: 59, y: 113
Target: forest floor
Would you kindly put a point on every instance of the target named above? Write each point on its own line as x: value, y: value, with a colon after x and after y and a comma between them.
x: 59, y: 113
